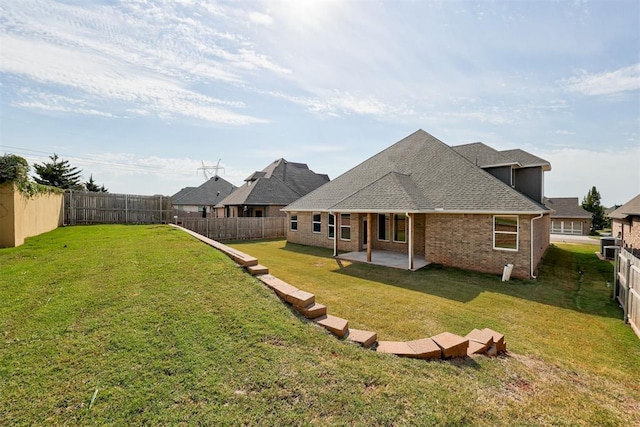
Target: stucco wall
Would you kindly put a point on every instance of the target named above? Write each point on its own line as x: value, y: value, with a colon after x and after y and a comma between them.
x: 22, y: 217
x: 463, y: 241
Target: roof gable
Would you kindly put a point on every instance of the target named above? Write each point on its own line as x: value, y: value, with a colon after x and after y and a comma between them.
x: 209, y: 193
x: 280, y: 183
x: 484, y: 156
x: 631, y: 208
x: 526, y: 159
x: 441, y: 178
x: 566, y: 207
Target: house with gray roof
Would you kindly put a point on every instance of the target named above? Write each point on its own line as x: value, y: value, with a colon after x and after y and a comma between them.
x: 517, y: 168
x: 190, y: 200
x: 425, y: 200
x: 625, y: 224
x: 568, y: 217
x: 266, y: 192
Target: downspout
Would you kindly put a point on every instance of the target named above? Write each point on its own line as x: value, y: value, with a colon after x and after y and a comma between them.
x: 410, y: 248
x: 533, y: 219
x: 335, y: 234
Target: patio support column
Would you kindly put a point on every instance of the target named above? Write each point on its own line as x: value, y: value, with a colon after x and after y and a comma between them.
x: 369, y: 236
x: 336, y: 230
x: 410, y: 240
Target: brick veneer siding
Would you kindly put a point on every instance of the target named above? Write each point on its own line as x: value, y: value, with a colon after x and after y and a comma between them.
x: 466, y: 241
x: 629, y: 229
x: 456, y: 240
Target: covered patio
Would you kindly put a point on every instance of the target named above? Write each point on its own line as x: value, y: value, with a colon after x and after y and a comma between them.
x: 386, y: 259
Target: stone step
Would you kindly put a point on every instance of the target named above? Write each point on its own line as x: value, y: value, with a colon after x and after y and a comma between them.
x: 452, y: 345
x: 479, y: 341
x: 257, y: 269
x: 426, y: 348
x: 498, y: 339
x: 399, y: 348
x: 364, y: 338
x: 313, y: 310
x: 300, y: 298
x: 280, y: 287
x: 333, y: 324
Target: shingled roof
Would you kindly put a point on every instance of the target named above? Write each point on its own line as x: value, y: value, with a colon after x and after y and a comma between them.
x: 280, y: 183
x: 631, y: 208
x: 484, y: 156
x: 566, y: 207
x: 417, y: 174
x: 208, y: 194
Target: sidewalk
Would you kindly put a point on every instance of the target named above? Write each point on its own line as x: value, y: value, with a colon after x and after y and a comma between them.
x: 565, y: 238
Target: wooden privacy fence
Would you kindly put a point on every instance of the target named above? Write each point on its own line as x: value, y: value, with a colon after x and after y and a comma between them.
x: 627, y: 289
x: 83, y: 207
x: 237, y: 228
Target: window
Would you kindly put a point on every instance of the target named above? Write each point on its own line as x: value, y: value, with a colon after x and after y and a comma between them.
x: 332, y: 226
x: 383, y: 227
x: 293, y: 221
x: 315, y: 223
x: 505, y: 232
x: 345, y: 226
x: 399, y: 228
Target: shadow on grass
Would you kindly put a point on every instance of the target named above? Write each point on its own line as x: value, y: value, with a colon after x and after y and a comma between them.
x: 570, y: 279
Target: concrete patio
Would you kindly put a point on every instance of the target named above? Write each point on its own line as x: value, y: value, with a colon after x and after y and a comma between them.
x: 386, y: 259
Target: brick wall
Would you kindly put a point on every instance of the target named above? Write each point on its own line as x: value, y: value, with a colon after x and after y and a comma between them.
x: 460, y: 240
x: 629, y: 229
x: 466, y: 241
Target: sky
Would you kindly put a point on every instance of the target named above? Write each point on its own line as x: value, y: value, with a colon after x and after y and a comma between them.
x: 141, y: 93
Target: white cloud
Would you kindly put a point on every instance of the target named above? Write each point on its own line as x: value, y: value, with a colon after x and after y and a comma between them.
x: 260, y: 18
x: 606, y: 83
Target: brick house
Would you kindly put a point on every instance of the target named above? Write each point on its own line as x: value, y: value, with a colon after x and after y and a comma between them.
x: 425, y: 199
x: 266, y: 192
x: 625, y: 224
x: 568, y: 217
x: 191, y: 201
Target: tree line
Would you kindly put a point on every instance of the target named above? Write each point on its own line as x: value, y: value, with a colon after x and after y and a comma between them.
x: 56, y: 172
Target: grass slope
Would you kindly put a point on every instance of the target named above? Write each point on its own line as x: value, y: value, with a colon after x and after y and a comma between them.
x: 169, y: 331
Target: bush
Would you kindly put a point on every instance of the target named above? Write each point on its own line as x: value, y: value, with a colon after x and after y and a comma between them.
x: 13, y: 169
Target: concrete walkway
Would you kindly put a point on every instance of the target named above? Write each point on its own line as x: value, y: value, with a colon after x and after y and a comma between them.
x: 386, y: 259
x: 567, y: 238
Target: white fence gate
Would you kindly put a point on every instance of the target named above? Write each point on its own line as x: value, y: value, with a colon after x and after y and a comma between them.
x: 627, y: 290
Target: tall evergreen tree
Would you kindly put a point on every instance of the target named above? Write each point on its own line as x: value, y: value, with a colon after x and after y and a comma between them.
x: 58, y: 173
x: 591, y: 203
x: 92, y: 186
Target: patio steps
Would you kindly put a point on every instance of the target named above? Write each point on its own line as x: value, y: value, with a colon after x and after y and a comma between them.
x: 364, y: 338
x: 257, y: 269
x: 445, y: 345
x: 333, y: 324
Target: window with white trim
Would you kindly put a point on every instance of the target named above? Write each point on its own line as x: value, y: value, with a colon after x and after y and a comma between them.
x: 316, y: 224
x: 293, y: 222
x: 345, y: 226
x: 505, y: 232
x: 332, y: 226
x: 399, y: 228
x: 384, y: 226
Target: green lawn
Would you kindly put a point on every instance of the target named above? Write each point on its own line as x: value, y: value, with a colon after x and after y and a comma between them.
x: 119, y: 325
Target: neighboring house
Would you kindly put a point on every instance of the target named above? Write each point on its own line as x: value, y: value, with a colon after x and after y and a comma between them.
x: 625, y: 224
x: 266, y: 192
x: 201, y: 199
x: 422, y: 198
x: 568, y: 216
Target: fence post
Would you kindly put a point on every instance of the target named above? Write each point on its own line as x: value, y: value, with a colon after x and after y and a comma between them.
x: 262, y: 221
x: 237, y: 227
x: 616, y: 266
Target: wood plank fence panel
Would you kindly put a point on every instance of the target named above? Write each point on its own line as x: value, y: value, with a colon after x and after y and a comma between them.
x: 627, y: 289
x: 237, y: 228
x: 84, y: 207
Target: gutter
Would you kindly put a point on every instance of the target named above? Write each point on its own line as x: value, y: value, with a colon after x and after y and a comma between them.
x: 531, y: 239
